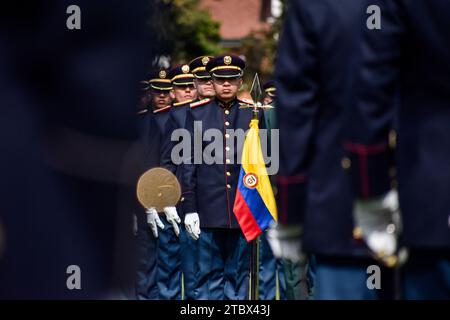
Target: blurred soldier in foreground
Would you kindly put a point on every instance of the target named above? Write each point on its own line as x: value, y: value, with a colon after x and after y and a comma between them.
x: 314, y: 191
x: 68, y: 120
x: 407, y: 60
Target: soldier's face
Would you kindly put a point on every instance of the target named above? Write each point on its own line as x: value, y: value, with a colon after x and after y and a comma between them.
x: 161, y: 98
x: 226, y: 88
x: 145, y: 99
x: 184, y: 93
x: 205, y: 88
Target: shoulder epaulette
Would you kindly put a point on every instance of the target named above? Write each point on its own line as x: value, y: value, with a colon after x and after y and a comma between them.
x: 246, y: 101
x: 162, y: 109
x: 142, y: 111
x: 180, y: 104
x: 200, y: 103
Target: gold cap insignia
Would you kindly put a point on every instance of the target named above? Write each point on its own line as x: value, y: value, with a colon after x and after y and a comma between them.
x: 227, y: 60
x: 205, y: 60
x: 185, y: 68
x: 162, y: 74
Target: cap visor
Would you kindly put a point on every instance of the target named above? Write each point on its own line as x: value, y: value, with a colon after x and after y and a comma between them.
x: 202, y: 75
x: 227, y: 73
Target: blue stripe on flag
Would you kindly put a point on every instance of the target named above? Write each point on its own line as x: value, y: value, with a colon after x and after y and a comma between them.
x: 255, y: 203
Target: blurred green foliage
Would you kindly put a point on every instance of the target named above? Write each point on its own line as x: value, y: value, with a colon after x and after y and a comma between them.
x: 186, y: 31
x: 260, y: 50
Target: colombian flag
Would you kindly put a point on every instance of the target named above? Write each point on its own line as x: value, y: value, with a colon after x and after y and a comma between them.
x: 254, y: 206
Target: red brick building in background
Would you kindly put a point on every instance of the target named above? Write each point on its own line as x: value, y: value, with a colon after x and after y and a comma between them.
x: 240, y: 18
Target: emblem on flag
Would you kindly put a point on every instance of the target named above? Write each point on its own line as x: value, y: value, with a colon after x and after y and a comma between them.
x: 250, y: 180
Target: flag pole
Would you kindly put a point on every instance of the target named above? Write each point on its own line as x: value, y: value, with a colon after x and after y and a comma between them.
x: 254, y: 270
x: 255, y: 105
x: 254, y: 246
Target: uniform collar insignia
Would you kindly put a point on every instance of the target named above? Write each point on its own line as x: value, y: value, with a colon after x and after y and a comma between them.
x: 226, y: 104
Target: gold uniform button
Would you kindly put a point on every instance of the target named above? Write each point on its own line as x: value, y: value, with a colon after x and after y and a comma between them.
x: 227, y: 148
x: 346, y: 163
x: 227, y: 136
x: 227, y: 123
x: 391, y: 261
x: 227, y: 111
x: 228, y: 161
x: 229, y: 174
x: 357, y: 233
x: 393, y: 139
x: 228, y: 186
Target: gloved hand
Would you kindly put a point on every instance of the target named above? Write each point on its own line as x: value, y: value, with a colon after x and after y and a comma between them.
x: 154, y: 221
x: 378, y: 222
x: 173, y: 218
x: 285, y: 242
x: 192, y: 223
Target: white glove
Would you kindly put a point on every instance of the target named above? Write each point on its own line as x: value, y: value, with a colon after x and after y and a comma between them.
x: 154, y: 221
x: 192, y: 223
x: 285, y: 242
x: 173, y: 218
x: 379, y: 223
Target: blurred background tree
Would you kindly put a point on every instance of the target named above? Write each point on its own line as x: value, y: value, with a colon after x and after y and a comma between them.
x: 260, y: 49
x: 186, y: 31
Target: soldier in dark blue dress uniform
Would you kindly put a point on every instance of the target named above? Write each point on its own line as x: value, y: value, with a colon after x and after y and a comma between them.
x: 189, y: 254
x: 172, y: 257
x: 210, y: 187
x: 202, y: 78
x: 152, y: 115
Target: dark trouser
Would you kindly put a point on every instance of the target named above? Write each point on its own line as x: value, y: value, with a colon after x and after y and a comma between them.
x: 224, y: 260
x: 189, y: 262
x: 310, y: 277
x: 169, y: 263
x: 347, y: 279
x: 427, y: 276
x: 146, y: 286
x: 299, y: 282
x: 269, y: 267
x: 293, y: 275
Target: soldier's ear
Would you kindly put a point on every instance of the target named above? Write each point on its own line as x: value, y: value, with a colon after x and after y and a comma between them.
x: 240, y: 82
x: 172, y: 94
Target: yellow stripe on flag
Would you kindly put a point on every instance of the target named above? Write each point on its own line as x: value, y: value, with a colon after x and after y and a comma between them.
x: 253, y: 162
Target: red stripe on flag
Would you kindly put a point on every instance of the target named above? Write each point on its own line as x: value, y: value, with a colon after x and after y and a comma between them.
x: 248, y: 224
